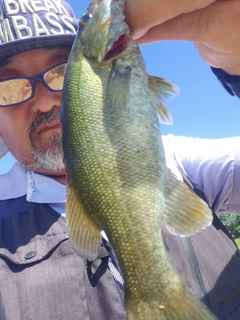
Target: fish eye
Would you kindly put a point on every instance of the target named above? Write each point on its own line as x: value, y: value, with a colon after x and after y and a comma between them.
x: 86, y: 17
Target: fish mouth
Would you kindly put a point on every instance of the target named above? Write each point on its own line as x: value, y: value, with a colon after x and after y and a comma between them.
x: 118, y: 46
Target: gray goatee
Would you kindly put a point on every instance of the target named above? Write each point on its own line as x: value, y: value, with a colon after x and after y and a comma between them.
x: 50, y: 158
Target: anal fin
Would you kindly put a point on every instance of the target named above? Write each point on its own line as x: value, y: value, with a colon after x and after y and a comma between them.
x: 84, y: 234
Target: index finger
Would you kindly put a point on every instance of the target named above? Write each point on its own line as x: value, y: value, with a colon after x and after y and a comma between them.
x: 141, y: 15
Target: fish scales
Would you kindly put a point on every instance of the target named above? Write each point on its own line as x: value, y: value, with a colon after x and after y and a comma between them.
x: 117, y: 178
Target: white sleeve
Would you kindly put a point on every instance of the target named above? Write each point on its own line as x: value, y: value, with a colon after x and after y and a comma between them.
x: 211, y: 165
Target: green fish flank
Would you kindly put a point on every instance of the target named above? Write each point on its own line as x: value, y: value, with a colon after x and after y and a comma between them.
x: 117, y: 177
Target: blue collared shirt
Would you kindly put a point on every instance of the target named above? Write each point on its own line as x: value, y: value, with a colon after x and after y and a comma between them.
x: 38, y: 188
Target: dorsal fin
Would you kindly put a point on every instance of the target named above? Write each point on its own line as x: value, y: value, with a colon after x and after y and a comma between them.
x: 161, y: 90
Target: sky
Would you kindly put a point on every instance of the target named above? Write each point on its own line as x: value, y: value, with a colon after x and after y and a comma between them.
x: 202, y: 109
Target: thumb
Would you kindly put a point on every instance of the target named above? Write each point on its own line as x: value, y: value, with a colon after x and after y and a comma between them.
x: 190, y: 26
x: 142, y: 15
x: 206, y: 24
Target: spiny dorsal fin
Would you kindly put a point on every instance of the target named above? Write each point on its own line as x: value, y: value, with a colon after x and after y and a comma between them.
x: 161, y: 90
x: 86, y: 237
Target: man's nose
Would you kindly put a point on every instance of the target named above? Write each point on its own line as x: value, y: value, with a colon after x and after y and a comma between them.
x: 45, y: 100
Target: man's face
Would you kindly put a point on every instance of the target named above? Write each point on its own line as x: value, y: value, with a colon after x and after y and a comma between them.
x: 31, y: 130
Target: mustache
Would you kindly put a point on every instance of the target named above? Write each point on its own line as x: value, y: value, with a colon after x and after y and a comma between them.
x: 42, y: 119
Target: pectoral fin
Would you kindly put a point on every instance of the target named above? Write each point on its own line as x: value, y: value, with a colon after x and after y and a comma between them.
x: 86, y: 237
x: 185, y: 213
x: 161, y: 90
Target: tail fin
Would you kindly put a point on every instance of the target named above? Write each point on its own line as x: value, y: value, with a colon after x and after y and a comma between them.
x: 178, y: 305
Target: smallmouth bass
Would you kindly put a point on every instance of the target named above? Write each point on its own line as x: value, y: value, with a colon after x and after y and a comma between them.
x: 117, y: 177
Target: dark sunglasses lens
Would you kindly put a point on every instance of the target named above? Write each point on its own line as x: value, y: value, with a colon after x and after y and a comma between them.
x: 14, y: 91
x: 54, y: 77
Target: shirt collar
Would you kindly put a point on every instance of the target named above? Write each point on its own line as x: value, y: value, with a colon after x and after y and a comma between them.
x: 38, y: 188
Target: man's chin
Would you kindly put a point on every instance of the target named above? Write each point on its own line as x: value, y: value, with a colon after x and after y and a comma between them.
x: 48, y: 161
x: 48, y: 157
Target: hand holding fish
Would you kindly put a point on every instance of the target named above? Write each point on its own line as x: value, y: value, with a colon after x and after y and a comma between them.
x: 209, y: 24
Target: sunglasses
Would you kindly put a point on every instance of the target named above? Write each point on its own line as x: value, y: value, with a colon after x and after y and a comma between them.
x: 19, y: 89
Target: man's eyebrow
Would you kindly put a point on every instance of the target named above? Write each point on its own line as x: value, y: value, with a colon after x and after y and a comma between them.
x: 57, y: 54
x: 5, y: 62
x: 60, y: 55
x: 2, y: 65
